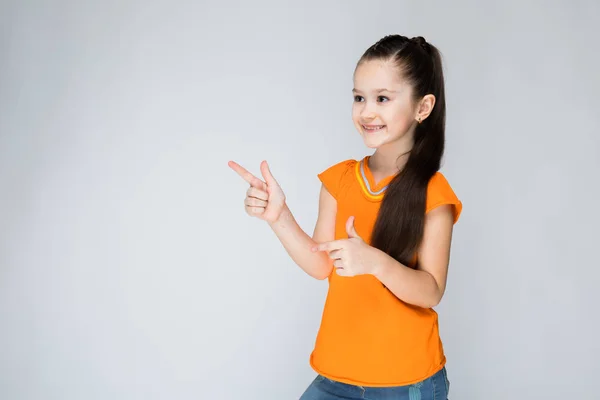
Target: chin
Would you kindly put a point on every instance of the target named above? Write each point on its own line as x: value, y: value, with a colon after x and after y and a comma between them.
x: 371, y: 142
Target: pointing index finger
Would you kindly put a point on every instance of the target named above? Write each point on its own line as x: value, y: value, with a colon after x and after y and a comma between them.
x: 329, y: 246
x: 245, y: 174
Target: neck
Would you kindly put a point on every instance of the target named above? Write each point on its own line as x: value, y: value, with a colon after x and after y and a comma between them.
x: 389, y: 161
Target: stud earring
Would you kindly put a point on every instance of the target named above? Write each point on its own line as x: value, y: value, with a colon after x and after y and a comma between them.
x: 419, y: 119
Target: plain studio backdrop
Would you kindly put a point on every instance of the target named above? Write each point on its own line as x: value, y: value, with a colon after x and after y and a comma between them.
x: 128, y: 268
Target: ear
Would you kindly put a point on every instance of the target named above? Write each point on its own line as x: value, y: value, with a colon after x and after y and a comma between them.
x: 425, y: 107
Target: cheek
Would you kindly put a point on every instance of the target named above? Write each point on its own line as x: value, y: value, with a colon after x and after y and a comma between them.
x: 355, y: 112
x: 400, y: 120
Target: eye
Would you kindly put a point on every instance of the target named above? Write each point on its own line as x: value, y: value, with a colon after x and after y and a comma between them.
x: 358, y: 99
x: 382, y: 99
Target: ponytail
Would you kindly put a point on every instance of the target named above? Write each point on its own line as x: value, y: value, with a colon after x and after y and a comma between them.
x: 399, y: 226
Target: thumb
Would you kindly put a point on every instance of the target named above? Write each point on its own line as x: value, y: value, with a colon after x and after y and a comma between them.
x: 350, y: 230
x: 266, y: 173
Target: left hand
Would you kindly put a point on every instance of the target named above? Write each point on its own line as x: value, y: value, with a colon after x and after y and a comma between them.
x: 352, y: 256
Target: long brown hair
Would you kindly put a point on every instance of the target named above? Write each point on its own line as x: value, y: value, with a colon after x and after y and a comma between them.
x: 398, y: 230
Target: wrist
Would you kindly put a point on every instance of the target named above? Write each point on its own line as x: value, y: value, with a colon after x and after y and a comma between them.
x: 379, y: 264
x: 284, y: 215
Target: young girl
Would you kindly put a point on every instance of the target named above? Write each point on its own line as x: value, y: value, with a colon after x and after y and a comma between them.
x: 383, y: 234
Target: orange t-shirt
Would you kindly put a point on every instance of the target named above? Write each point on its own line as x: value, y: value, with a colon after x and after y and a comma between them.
x: 368, y: 336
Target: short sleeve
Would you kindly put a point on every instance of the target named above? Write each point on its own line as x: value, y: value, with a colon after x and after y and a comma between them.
x: 439, y: 192
x: 333, y: 176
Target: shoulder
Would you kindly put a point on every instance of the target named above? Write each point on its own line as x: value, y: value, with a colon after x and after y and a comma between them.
x: 342, y: 165
x: 440, y: 192
x: 333, y: 176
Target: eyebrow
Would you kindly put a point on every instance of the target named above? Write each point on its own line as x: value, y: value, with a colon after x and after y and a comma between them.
x: 377, y: 91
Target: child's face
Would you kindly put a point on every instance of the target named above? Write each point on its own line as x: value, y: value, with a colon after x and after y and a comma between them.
x: 382, y: 116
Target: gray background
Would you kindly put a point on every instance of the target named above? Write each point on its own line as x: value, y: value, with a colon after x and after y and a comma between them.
x: 128, y: 268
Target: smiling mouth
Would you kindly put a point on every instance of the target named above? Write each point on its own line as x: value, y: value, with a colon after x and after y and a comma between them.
x: 373, y: 128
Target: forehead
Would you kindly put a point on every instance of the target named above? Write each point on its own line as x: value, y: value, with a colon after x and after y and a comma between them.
x: 377, y: 74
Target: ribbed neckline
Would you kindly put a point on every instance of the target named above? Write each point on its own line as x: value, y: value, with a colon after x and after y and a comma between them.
x: 371, y: 180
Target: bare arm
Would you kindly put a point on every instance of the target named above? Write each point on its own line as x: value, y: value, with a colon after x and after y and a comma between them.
x: 426, y: 285
x: 266, y: 200
x: 298, y: 243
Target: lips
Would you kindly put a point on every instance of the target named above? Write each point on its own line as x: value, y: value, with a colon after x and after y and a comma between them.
x: 373, y: 128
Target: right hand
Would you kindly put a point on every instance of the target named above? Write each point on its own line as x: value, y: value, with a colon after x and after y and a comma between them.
x: 264, y: 199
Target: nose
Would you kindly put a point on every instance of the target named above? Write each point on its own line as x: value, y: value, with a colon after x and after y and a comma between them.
x: 368, y: 111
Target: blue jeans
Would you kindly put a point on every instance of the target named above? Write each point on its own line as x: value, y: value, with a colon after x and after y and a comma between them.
x: 433, y: 388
